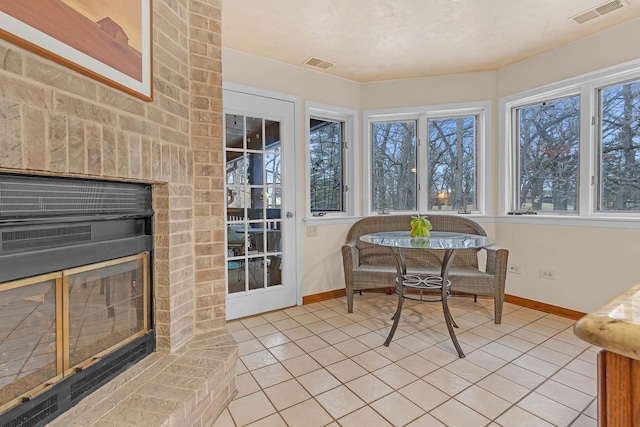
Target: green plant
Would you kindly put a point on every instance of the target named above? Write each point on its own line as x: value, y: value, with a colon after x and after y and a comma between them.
x: 420, y: 226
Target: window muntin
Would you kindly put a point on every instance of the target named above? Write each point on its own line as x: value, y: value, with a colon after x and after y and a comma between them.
x: 548, y: 135
x: 619, y: 153
x: 451, y: 160
x: 326, y: 142
x: 393, y: 166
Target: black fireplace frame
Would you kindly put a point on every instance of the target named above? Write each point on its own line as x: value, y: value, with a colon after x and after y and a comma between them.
x: 51, y: 223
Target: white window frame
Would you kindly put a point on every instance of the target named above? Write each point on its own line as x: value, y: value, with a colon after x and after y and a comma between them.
x: 349, y: 118
x: 482, y: 109
x: 586, y: 86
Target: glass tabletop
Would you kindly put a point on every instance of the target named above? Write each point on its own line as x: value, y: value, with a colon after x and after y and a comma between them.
x: 436, y: 240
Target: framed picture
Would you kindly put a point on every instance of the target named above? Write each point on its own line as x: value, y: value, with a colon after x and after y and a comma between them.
x: 107, y: 40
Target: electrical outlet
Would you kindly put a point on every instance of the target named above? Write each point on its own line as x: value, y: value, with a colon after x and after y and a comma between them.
x: 312, y: 231
x: 515, y: 269
x: 547, y: 274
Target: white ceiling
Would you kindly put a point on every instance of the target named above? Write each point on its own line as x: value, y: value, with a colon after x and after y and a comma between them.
x: 374, y: 40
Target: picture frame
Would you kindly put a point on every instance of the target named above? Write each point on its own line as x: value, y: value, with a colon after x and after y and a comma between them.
x: 110, y: 41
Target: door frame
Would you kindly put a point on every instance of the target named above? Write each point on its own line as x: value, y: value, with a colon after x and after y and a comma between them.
x: 294, y: 255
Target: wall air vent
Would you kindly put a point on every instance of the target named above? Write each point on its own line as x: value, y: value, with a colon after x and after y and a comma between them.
x: 595, y: 12
x: 318, y: 63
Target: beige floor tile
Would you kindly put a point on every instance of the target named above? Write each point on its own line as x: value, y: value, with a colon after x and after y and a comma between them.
x: 418, y: 366
x: 286, y: 394
x: 515, y: 343
x: 536, y: 365
x: 503, y: 388
x: 271, y: 375
x: 318, y: 381
x: 297, y: 310
x: 224, y: 420
x: 351, y: 347
x: 393, y: 352
x: 395, y: 376
x: 549, y: 355
x: 273, y: 340
x: 397, y: 409
x: 584, y: 421
x: 485, y: 360
x: 258, y: 359
x: 319, y: 327
x: 306, y: 414
x: 516, y: 416
x: 568, y: 396
x: 286, y: 324
x: 297, y: 333
x: 346, y: 370
x: 585, y: 368
x: 446, y: 381
x: 578, y: 381
x: 438, y: 356
x: 454, y: 414
x: 363, y: 417
x: 234, y: 325
x: 511, y: 367
x: 339, y: 321
x: 327, y: 356
x: 549, y: 410
x: 260, y: 408
x: 521, y: 376
x: 249, y: 346
x: 274, y: 420
x: 326, y: 313
x: 311, y: 343
x: 246, y: 385
x: 482, y: 401
x: 334, y: 336
x: 286, y: 351
x: 262, y: 330
x: 369, y: 388
x: 563, y: 347
x: 527, y: 335
x: 301, y: 365
x: 426, y: 421
x: 275, y: 316
x: 467, y: 370
x: 339, y: 401
x: 306, y: 318
x: 424, y: 395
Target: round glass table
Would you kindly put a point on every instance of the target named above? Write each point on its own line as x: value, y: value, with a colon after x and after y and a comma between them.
x: 448, y: 242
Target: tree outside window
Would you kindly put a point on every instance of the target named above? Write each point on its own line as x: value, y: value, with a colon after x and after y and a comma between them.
x: 326, y: 139
x: 548, y: 135
x: 620, y: 147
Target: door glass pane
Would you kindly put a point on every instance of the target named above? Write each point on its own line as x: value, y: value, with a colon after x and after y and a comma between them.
x: 253, y: 207
x: 234, y: 131
x: 393, y: 166
x: 452, y: 163
x: 254, y: 134
x: 27, y: 338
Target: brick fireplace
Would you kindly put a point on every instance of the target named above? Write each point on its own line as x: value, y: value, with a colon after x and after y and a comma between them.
x: 54, y: 121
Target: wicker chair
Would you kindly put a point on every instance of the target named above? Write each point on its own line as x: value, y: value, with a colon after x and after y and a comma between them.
x: 368, y: 266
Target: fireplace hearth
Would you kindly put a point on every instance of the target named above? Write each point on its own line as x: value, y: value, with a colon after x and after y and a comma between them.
x: 75, y: 290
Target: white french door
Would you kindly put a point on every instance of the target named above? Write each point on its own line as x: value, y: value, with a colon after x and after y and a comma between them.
x: 260, y: 187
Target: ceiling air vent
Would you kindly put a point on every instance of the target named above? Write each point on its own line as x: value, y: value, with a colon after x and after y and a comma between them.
x: 318, y: 63
x: 598, y: 11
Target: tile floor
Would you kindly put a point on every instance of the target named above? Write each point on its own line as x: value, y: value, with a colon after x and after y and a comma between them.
x: 316, y: 365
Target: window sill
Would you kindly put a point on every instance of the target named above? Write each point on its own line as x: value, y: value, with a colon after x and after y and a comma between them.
x: 331, y: 219
x: 572, y: 220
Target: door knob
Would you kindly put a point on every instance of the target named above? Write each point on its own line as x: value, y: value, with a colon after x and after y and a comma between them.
x: 289, y: 214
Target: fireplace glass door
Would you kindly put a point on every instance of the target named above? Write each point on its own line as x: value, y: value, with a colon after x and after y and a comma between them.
x: 54, y: 325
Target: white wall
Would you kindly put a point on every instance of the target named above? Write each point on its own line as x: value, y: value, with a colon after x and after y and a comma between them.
x: 592, y: 264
